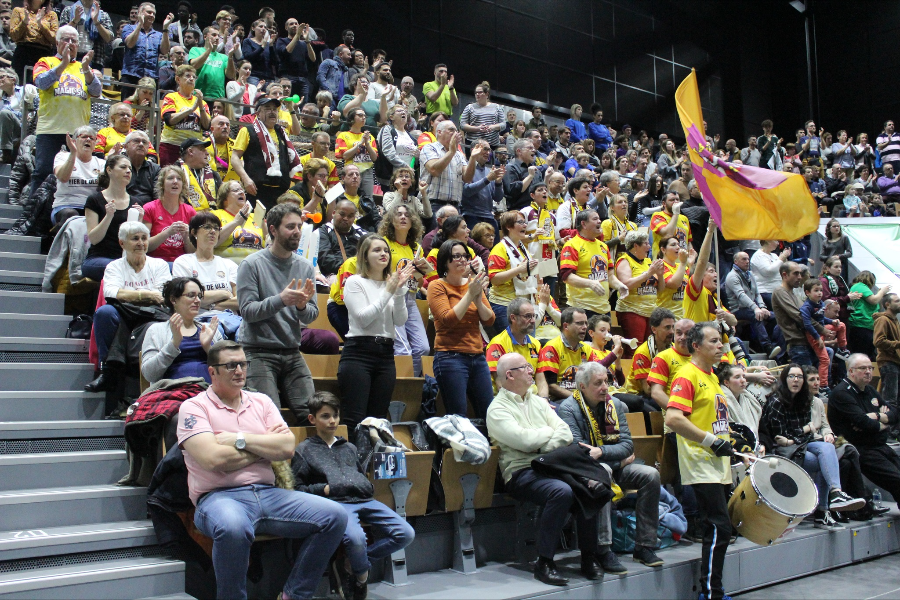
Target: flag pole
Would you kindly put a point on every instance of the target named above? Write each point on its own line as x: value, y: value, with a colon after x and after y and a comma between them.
x: 718, y: 273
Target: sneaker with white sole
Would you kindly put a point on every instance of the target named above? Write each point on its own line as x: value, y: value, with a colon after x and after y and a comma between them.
x: 824, y: 520
x: 839, y: 501
x: 842, y: 354
x: 774, y: 352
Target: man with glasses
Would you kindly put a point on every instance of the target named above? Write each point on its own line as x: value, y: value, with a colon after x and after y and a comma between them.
x: 95, y: 28
x: 66, y: 88
x: 786, y: 306
x: 177, y: 57
x: 443, y: 163
x: 277, y: 294
x: 230, y: 437
x: 321, y: 142
x: 517, y: 338
x: 222, y: 145
x: 520, y: 174
x: 144, y: 172
x: 858, y: 413
x: 14, y: 100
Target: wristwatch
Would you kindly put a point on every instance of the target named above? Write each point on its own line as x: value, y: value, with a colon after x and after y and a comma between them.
x: 240, y: 443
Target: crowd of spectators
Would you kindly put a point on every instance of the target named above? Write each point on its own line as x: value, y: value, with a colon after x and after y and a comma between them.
x: 548, y: 256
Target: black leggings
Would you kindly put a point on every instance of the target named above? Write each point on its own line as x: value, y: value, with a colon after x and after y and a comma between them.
x: 713, y: 501
x: 366, y: 377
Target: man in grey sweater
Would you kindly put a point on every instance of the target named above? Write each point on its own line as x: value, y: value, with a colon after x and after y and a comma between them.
x: 786, y: 307
x: 603, y: 429
x: 277, y: 296
x: 745, y: 302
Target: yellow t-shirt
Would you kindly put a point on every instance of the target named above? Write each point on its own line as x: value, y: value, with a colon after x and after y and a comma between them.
x: 498, y: 261
x: 346, y: 140
x: 344, y: 272
x: 188, y: 128
x: 697, y: 393
x: 556, y: 357
x: 243, y: 138
x: 641, y: 300
x: 66, y: 104
x: 107, y: 138
x: 401, y: 255
x: 665, y: 369
x: 660, y: 220
x: 223, y: 153
x: 503, y: 343
x: 284, y: 119
x: 672, y: 299
x: 244, y: 241
x: 611, y: 228
x: 700, y: 306
x: 353, y: 199
x: 590, y: 259
x: 640, y: 369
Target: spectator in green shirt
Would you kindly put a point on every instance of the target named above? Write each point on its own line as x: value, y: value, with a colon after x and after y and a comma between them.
x: 440, y: 94
x: 860, y: 329
x: 212, y: 67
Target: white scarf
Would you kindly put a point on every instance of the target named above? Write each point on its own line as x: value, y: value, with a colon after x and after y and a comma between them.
x: 517, y: 255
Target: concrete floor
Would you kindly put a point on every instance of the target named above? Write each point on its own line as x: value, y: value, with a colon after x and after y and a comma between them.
x: 875, y: 579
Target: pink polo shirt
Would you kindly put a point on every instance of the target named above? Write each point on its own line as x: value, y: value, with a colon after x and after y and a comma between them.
x: 205, y: 413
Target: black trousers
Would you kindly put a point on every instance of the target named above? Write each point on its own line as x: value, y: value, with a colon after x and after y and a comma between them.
x: 712, y: 499
x: 882, y: 465
x: 366, y: 377
x: 851, y: 472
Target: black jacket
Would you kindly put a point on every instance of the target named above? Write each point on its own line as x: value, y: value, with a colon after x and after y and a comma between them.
x: 516, y: 172
x: 142, y: 187
x: 573, y: 465
x: 315, y: 465
x: 330, y: 256
x: 848, y: 407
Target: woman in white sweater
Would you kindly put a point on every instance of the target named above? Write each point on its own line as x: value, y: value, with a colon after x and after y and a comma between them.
x: 764, y: 265
x: 375, y: 306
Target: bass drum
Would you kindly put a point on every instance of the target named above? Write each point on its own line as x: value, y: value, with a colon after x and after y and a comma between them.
x: 772, y: 500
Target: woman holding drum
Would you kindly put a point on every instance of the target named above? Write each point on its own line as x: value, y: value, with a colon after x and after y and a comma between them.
x: 792, y: 427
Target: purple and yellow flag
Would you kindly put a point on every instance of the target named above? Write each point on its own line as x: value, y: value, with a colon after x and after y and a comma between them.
x: 747, y: 203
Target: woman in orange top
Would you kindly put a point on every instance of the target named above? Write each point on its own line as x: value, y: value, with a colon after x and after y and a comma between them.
x: 458, y: 304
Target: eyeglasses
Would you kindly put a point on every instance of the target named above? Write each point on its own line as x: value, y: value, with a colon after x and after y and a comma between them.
x: 232, y: 366
x: 521, y: 222
x: 528, y: 317
x: 795, y: 376
x: 192, y: 295
x: 459, y: 257
x: 526, y: 367
x: 869, y: 368
x: 210, y: 227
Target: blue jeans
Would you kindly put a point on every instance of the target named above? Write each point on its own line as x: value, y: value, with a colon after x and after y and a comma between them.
x: 46, y: 147
x: 459, y: 374
x: 391, y: 531
x: 95, y: 266
x: 757, y: 328
x: 233, y: 516
x: 501, y: 320
x: 821, y: 463
x: 106, y: 323
x: 802, y: 356
x: 412, y: 337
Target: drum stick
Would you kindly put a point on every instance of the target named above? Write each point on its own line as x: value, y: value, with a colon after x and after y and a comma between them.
x: 772, y: 464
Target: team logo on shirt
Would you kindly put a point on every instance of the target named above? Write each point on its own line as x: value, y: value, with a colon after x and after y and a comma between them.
x: 598, y: 268
x: 496, y: 354
x: 190, y: 421
x: 720, y: 425
x: 567, y: 379
x: 676, y: 388
x: 218, y: 274
x: 639, y: 362
x: 551, y: 355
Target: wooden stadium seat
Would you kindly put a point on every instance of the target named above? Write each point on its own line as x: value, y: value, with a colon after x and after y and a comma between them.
x: 322, y: 321
x: 404, y: 365
x: 636, y: 423
x: 322, y: 365
x: 626, y: 366
x: 656, y: 423
x: 428, y: 366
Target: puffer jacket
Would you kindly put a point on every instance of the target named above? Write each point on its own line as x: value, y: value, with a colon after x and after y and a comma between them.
x: 315, y: 465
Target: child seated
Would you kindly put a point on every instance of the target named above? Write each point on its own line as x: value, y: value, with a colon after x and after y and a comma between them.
x: 813, y: 311
x: 326, y: 465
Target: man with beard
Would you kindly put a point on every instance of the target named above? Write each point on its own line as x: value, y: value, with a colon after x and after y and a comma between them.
x: 293, y: 51
x: 277, y: 295
x: 384, y: 84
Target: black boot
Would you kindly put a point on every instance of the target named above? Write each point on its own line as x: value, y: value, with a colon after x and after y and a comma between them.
x: 545, y: 572
x: 104, y: 382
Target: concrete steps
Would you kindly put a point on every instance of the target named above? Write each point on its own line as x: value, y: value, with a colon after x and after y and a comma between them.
x: 16, y: 377
x: 56, y: 470
x: 26, y: 509
x: 31, y: 303
x: 19, y: 261
x: 50, y: 406
x: 16, y: 545
x: 26, y: 278
x: 20, y: 243
x: 41, y: 325
x: 29, y: 430
x: 125, y: 578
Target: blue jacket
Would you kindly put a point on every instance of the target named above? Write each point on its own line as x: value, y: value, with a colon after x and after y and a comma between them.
x: 600, y: 134
x: 577, y: 129
x: 812, y: 312
x: 331, y: 72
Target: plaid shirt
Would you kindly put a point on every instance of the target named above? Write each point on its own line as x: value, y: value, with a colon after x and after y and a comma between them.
x: 448, y: 186
x: 85, y: 43
x: 779, y: 419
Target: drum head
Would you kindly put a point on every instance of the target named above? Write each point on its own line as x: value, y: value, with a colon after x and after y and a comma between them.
x: 784, y: 486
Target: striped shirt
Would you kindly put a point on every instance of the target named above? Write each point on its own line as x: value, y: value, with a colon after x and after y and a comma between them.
x: 477, y: 115
x: 891, y: 152
x: 448, y: 186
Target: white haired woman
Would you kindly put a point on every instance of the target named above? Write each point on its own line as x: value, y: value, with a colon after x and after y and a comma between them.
x: 134, y: 279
